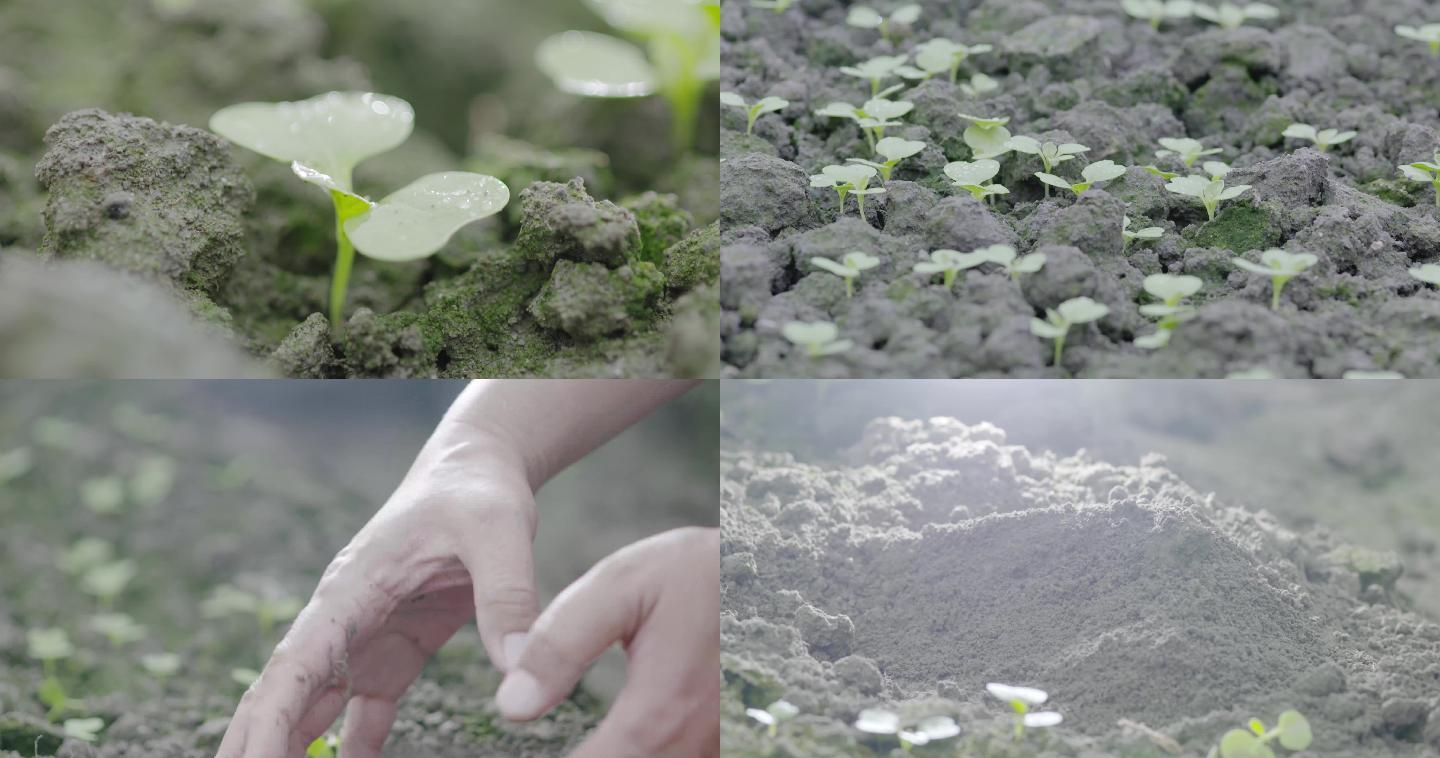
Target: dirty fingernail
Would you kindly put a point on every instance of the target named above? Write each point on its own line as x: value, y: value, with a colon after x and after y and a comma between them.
x: 514, y: 644
x: 519, y: 696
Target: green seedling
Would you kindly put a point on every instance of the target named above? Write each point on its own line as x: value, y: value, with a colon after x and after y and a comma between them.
x: 819, y: 338
x: 1359, y: 375
x: 846, y: 179
x: 1428, y: 273
x: 118, y: 628
x: 1186, y: 149
x: 974, y: 177
x: 1280, y: 266
x: 1148, y: 233
x: 62, y: 434
x: 325, y: 137
x: 1049, y: 153
x: 153, y: 480
x: 865, y: 17
x: 978, y: 85
x: 876, y: 70
x: 85, y: 554
x: 1324, y: 139
x: 1427, y: 33
x: 161, y: 665
x: 681, y: 56
x: 1210, y: 192
x: 1157, y: 11
x: 1427, y: 172
x: 1056, y: 326
x: 986, y: 136
x: 779, y: 6
x: 227, y: 600
x: 928, y: 730
x: 15, y: 464
x: 1215, y: 169
x: 1022, y: 699
x: 1014, y: 264
x: 773, y: 715
x: 1171, y: 291
x: 85, y: 730
x: 1160, y: 172
x: 942, y: 55
x: 107, y: 581
x: 949, y: 263
x: 893, y: 150
x: 872, y: 118
x: 1099, y: 171
x: 848, y: 268
x: 50, y: 647
x: 324, y: 746
x: 1291, y: 731
x: 104, y: 496
x: 1232, y: 16
x: 754, y: 110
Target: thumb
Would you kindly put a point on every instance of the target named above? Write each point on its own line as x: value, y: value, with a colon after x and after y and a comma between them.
x: 495, y: 547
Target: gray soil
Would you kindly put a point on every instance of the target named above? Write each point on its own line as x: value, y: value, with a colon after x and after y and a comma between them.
x: 1079, y: 70
x: 935, y: 556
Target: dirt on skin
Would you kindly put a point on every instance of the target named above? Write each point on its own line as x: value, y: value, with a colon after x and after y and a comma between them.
x: 1082, y: 71
x: 936, y: 557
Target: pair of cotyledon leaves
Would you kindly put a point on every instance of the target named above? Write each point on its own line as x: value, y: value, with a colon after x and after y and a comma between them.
x: 599, y: 65
x: 325, y: 137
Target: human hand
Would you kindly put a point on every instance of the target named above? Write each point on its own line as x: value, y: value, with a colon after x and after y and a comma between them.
x: 660, y: 598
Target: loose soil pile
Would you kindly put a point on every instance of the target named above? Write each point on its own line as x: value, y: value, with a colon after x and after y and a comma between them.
x: 1082, y: 71
x: 941, y: 558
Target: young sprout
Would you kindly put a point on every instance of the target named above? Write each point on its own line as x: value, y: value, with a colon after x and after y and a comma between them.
x: 118, y: 628
x: 864, y: 17
x: 978, y: 85
x: 877, y: 721
x: 876, y: 70
x: 779, y: 6
x: 85, y: 730
x: 1210, y: 192
x: 268, y: 611
x: 1324, y: 139
x: 324, y: 138
x: 104, y: 496
x: 1148, y: 233
x: 939, y: 55
x: 680, y: 58
x: 107, y: 581
x: 324, y: 746
x: 1049, y: 153
x: 1292, y: 731
x: 1280, y: 266
x: 1428, y: 273
x: 974, y: 177
x: 1425, y: 171
x: 1099, y: 171
x: 1077, y: 310
x: 85, y: 554
x: 1186, y: 149
x: 1156, y: 11
x: 931, y: 729
x: 754, y: 110
x: 1160, y: 172
x: 872, y: 118
x: 1215, y: 169
x: 161, y: 665
x: 893, y: 150
x: 1231, y: 16
x: 773, y: 715
x: 1022, y: 699
x: 819, y: 338
x: 950, y: 263
x: 986, y: 136
x: 1008, y: 260
x: 848, y: 268
x: 1171, y: 291
x: 844, y: 180
x: 1427, y: 33
x: 50, y: 646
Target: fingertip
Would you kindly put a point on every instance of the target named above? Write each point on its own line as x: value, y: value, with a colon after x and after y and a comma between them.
x: 521, y: 697
x: 512, y: 646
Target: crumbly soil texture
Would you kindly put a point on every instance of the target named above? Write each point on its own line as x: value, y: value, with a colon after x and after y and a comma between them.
x: 1082, y: 71
x: 934, y: 557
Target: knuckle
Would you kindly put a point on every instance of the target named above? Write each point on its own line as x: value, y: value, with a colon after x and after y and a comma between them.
x: 507, y: 596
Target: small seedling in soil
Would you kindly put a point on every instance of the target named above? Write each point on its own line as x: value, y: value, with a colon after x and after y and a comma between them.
x: 876, y: 70
x: 1292, y: 731
x: 1160, y: 172
x: 1148, y: 233
x: 107, y: 581
x: 161, y: 665
x: 848, y: 268
x: 1157, y: 11
x: 872, y: 118
x: 1057, y: 323
x: 974, y: 177
x: 1425, y: 171
x: 864, y: 17
x: 819, y: 338
x: 893, y: 150
x: 50, y: 646
x: 1427, y: 33
x: 939, y: 55
x: 950, y: 263
x: 986, y: 136
x: 104, y: 496
x: 1171, y: 291
x: 931, y: 729
x: 324, y: 138
x: 773, y: 715
x: 978, y: 85
x: 1186, y: 149
x: 1231, y: 16
x: 1428, y: 273
x: 1210, y: 192
x: 754, y: 110
x: 118, y: 628
x: 324, y: 746
x: 15, y: 464
x: 85, y: 554
x: 1007, y: 258
x: 1324, y: 139
x: 1022, y: 699
x: 85, y: 730
x: 227, y: 599
x: 845, y: 179
x: 1280, y: 266
x: 1099, y: 171
x: 1049, y: 153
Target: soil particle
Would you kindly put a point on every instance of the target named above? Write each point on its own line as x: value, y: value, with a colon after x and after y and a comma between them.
x: 391, y: 346
x: 588, y: 301
x: 662, y: 223
x: 693, y: 349
x: 764, y: 191
x: 306, y: 352
x: 693, y: 261
x: 561, y: 221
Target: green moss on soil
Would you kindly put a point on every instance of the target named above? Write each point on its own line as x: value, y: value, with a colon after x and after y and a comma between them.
x: 694, y: 260
x: 662, y: 223
x: 1239, y: 228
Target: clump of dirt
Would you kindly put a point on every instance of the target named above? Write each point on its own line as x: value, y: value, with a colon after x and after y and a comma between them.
x: 939, y: 558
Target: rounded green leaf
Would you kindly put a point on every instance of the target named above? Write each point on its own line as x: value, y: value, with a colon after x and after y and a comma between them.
x: 1428, y: 273
x: 653, y: 17
x: 732, y: 99
x: 1046, y: 330
x: 595, y: 65
x: 972, y: 172
x: 1238, y: 743
x: 838, y: 269
x: 1102, y: 171
x: 808, y: 333
x: 1082, y: 310
x: 1294, y: 731
x: 1167, y: 286
x: 1023, y: 144
x: 895, y: 148
x: 906, y: 14
x: 864, y: 17
x: 418, y: 219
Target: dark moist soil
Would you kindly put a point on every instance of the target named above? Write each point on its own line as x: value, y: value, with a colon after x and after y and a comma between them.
x: 1080, y: 70
x: 934, y: 557
x: 605, y: 263
x: 262, y: 499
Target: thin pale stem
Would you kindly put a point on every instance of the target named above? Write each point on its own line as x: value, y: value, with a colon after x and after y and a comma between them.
x: 849, y: 286
x: 344, y: 262
x: 1059, y: 351
x: 1279, y: 286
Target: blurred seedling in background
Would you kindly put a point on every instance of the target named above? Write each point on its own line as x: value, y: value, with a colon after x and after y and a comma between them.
x: 819, y: 338
x: 141, y: 425
x: 119, y: 629
x: 108, y: 581
x: 1007, y: 258
x: 949, y: 263
x: 104, y: 496
x: 978, y: 85
x: 1160, y: 172
x: 1023, y: 699
x: 986, y: 136
x: 1232, y: 16
x: 66, y: 436
x: 845, y: 180
x: 874, y: 116
x: 876, y: 70
x: 942, y: 55
x: 1148, y: 233
x: 1281, y: 266
x: 754, y: 110
x: 1158, y: 11
x: 848, y: 268
x: 779, y: 6
x: 50, y: 647
x: 879, y: 722
x: 15, y: 464
x: 324, y: 746
x: 773, y: 715
x: 1099, y: 171
x: 865, y: 17
x: 1049, y: 153
x: 1427, y: 33
x: 1427, y: 172
x: 1428, y: 273
x: 1056, y: 326
x: 153, y: 480
x: 1324, y: 139
x: 87, y: 553
x: 1171, y: 291
x: 1215, y: 169
x: 681, y: 56
x: 161, y: 665
x: 325, y: 138
x: 1186, y: 149
x: 85, y: 730
x: 975, y: 177
x: 1210, y: 192
x: 1292, y: 732
x: 893, y: 150
x: 268, y: 611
